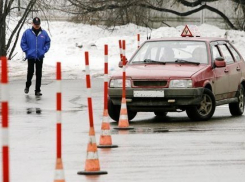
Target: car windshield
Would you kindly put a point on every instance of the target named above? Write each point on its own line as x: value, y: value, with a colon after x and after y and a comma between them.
x: 176, y: 51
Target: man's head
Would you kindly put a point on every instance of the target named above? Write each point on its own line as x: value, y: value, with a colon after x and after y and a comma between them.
x: 36, y: 22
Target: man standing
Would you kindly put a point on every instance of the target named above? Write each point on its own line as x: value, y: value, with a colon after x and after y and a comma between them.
x: 35, y: 43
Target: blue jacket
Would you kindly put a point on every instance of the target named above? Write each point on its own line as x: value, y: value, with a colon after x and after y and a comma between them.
x: 35, y: 46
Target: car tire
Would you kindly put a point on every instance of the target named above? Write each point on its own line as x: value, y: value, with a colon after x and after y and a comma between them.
x: 206, y: 108
x: 237, y: 109
x: 160, y: 114
x: 131, y: 115
x: 114, y: 111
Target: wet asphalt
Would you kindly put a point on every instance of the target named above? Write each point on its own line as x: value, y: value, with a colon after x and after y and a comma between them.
x: 171, y: 149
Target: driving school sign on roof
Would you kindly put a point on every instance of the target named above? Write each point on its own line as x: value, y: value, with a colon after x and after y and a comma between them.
x: 190, y: 31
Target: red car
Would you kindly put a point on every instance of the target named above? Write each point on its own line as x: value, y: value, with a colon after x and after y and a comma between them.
x: 191, y: 74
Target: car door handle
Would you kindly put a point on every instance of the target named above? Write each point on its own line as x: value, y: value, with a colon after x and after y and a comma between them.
x: 226, y: 71
x: 238, y: 69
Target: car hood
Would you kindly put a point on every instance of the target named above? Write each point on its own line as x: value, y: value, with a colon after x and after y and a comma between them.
x: 153, y: 71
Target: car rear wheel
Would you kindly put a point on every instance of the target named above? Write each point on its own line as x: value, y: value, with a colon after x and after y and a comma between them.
x: 161, y: 114
x: 237, y: 109
x: 206, y: 108
x: 114, y: 111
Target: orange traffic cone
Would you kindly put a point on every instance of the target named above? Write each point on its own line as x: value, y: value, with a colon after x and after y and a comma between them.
x: 59, y: 172
x: 92, y: 165
x: 105, y: 137
x: 123, y: 123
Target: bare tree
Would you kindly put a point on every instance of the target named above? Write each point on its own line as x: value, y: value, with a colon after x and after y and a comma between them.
x: 137, y: 11
x: 240, y: 10
x: 6, y: 8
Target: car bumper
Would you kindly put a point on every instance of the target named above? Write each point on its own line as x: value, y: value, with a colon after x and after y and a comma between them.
x: 172, y: 99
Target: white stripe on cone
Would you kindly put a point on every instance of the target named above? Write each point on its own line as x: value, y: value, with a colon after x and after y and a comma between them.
x: 89, y: 92
x: 124, y: 68
x: 5, y: 138
x: 59, y: 174
x: 106, y: 119
x: 123, y: 106
x: 87, y: 70
x: 92, y: 155
x: 121, y: 52
x: 106, y: 58
x: 105, y: 78
x: 92, y: 139
x: 123, y: 117
x: 4, y: 92
x: 58, y: 116
x: 105, y: 132
x: 58, y: 82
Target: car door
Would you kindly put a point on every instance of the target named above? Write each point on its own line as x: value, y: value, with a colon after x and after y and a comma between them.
x: 232, y: 69
x: 220, y: 80
x: 238, y: 59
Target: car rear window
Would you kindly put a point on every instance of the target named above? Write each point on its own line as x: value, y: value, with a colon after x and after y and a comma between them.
x: 226, y: 54
x: 234, y: 52
x: 170, y: 51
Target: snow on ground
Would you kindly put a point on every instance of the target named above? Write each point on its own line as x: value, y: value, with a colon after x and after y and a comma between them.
x: 67, y: 37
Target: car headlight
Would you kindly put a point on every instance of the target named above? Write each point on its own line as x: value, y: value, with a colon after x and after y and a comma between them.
x: 118, y: 83
x: 180, y: 84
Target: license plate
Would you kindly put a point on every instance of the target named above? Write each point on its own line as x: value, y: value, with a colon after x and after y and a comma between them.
x: 148, y: 93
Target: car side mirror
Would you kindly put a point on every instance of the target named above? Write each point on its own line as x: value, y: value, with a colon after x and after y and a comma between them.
x: 121, y: 63
x: 219, y: 62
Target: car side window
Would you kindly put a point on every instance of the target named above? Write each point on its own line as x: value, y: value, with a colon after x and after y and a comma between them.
x: 234, y: 52
x: 215, y: 52
x: 226, y: 54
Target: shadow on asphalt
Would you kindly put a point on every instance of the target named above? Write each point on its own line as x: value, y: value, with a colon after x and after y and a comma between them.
x: 173, y: 124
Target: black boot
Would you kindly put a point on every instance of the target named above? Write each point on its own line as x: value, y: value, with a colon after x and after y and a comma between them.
x: 38, y: 93
x: 26, y: 90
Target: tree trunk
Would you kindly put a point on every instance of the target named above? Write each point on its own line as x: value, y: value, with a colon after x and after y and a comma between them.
x: 2, y: 42
x: 2, y: 30
x: 243, y: 20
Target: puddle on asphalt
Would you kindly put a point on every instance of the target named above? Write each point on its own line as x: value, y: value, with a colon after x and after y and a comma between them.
x: 140, y: 130
x: 145, y: 130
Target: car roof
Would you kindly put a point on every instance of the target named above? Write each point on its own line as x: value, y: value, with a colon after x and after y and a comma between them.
x: 206, y: 39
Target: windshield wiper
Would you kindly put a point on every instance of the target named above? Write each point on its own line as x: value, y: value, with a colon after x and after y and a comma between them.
x: 153, y: 61
x: 185, y: 61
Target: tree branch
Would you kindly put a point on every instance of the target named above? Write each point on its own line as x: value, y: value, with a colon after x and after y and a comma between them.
x: 222, y: 15
x: 193, y: 11
x: 20, y: 22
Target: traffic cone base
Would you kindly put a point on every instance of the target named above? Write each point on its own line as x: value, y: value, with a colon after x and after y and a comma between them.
x: 107, y: 146
x: 59, y: 172
x: 105, y: 140
x: 92, y: 172
x: 92, y: 164
x: 124, y: 128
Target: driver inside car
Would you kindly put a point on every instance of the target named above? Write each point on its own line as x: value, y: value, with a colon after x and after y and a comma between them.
x: 168, y: 55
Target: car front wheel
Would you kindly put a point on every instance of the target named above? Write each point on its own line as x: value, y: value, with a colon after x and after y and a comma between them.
x: 205, y: 110
x: 114, y: 111
x: 237, y: 109
x: 160, y: 114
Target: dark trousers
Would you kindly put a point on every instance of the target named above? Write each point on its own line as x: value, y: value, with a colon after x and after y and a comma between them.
x: 38, y: 65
